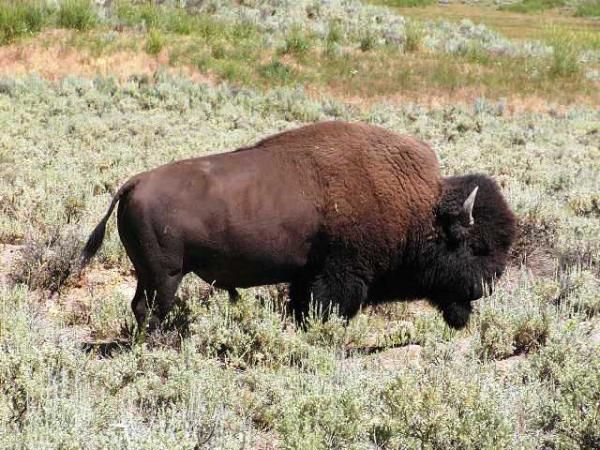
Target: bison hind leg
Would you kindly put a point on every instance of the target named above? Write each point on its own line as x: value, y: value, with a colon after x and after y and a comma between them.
x: 141, y: 305
x: 152, y: 302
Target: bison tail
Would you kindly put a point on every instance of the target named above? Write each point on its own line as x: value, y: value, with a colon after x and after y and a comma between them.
x: 94, y: 242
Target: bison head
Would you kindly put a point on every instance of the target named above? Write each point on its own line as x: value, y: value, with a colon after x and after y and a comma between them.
x: 468, y: 249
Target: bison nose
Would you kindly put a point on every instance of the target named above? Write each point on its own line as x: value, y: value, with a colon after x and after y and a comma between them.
x: 481, y: 289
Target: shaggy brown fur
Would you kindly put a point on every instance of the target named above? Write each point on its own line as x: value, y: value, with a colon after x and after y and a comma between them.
x: 346, y: 213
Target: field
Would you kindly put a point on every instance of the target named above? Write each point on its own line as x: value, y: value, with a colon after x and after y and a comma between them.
x: 91, y: 95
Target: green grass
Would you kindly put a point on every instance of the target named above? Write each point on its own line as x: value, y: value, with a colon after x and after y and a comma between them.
x: 374, y: 71
x: 276, y: 72
x: 513, y: 25
x: 131, y: 14
x: 414, y: 37
x: 405, y: 3
x: 155, y: 43
x: 588, y: 9
x: 565, y: 59
x: 368, y: 42
x: 76, y: 14
x: 296, y: 43
x: 532, y: 6
x: 19, y: 19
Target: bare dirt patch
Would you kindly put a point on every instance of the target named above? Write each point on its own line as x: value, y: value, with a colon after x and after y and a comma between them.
x: 93, y: 285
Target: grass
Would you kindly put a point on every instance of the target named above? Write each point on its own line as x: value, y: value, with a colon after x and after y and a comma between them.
x: 19, y: 19
x: 511, y: 24
x: 155, y: 42
x: 368, y: 72
x: 414, y: 37
x: 147, y: 14
x: 296, y: 43
x: 342, y: 60
x: 565, y: 58
x: 76, y: 14
x: 588, y: 9
x: 367, y: 42
x: 533, y: 6
x: 276, y: 72
x: 389, y: 72
x: 405, y: 3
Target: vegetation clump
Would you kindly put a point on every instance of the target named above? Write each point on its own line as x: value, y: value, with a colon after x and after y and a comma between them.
x: 19, y: 19
x: 589, y: 8
x: 77, y: 14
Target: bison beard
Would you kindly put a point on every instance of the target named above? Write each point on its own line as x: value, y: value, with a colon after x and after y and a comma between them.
x: 347, y: 214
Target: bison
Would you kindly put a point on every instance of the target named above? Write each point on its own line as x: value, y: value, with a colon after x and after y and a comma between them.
x: 348, y: 214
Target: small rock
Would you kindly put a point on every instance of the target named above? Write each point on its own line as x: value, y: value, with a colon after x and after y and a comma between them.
x: 394, y: 358
x: 504, y: 365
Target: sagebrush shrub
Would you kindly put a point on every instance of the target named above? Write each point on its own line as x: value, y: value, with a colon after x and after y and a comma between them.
x: 48, y: 262
x: 245, y: 375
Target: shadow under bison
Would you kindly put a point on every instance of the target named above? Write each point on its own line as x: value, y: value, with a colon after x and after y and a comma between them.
x: 348, y: 214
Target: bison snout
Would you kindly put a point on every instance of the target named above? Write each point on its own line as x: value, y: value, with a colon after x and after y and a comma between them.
x: 457, y: 314
x: 481, y: 289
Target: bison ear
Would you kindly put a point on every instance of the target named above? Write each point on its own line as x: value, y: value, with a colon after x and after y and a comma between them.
x: 468, y: 205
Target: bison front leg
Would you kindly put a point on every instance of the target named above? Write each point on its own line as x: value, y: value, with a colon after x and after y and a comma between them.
x: 341, y: 289
x: 300, y: 299
x: 234, y: 295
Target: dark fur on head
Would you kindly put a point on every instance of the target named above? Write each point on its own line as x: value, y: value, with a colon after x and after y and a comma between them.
x: 460, y: 260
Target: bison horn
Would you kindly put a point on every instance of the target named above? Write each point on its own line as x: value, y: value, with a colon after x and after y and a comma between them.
x: 469, y: 203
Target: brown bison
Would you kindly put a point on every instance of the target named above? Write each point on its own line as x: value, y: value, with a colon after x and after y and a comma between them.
x: 348, y: 214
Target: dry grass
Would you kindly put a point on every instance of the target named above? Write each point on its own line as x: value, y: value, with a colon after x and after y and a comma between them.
x: 424, y: 76
x: 50, y: 56
x: 513, y: 25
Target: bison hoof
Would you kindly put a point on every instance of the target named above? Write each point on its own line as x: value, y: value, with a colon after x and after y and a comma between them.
x: 457, y: 315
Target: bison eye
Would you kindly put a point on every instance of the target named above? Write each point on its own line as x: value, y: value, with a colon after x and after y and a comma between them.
x: 455, y: 232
